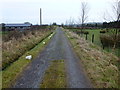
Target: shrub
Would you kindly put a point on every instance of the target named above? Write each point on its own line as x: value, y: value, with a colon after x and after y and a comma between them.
x: 119, y: 30
x: 86, y: 32
x: 103, y: 31
x: 82, y: 32
x: 106, y: 40
x: 109, y: 40
x: 79, y: 32
x: 107, y: 30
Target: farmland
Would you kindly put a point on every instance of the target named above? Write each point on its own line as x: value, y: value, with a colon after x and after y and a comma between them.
x: 3, y: 33
x: 97, y: 40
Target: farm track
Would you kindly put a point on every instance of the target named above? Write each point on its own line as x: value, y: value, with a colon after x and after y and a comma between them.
x: 58, y: 48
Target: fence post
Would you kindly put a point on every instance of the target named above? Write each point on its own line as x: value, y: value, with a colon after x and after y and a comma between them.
x: 86, y: 36
x: 92, y: 38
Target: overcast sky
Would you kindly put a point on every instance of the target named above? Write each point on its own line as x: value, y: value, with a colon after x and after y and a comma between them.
x: 20, y: 11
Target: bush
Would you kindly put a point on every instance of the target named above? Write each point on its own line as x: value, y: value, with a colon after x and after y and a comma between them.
x: 82, y: 32
x: 106, y: 41
x: 86, y: 32
x: 103, y: 31
x: 107, y: 30
x: 109, y: 40
x: 79, y: 32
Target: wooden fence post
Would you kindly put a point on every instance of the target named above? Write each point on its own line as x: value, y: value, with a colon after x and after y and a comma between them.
x: 86, y: 36
x: 92, y: 38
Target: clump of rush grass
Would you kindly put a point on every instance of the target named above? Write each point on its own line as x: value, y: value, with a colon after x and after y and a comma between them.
x: 55, y: 76
x: 101, y: 66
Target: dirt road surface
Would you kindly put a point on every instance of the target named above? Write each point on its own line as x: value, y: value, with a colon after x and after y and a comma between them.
x: 58, y: 48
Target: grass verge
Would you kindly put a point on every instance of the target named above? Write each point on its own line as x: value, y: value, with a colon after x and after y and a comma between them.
x: 101, y: 66
x: 55, y: 76
x: 10, y: 74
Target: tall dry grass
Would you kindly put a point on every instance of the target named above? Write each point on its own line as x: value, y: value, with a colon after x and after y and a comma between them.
x: 16, y: 43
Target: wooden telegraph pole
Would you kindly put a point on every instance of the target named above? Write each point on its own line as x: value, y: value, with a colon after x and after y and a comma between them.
x: 40, y: 16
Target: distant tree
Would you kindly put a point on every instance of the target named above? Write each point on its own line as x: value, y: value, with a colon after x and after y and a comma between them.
x: 105, y: 24
x: 54, y: 23
x: 27, y: 23
x: 62, y: 24
x: 116, y: 10
x: 66, y: 23
x: 96, y: 25
x: 2, y: 25
x: 84, y: 13
x: 71, y: 22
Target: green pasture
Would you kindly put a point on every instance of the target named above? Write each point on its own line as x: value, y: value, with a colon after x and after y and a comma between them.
x: 97, y: 41
x: 4, y: 32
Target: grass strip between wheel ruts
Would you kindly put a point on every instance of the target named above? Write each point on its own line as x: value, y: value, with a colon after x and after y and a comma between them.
x: 55, y: 76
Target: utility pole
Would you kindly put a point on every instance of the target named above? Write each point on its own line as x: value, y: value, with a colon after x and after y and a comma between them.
x: 40, y: 16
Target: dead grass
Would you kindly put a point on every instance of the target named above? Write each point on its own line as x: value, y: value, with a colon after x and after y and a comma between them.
x: 10, y: 74
x: 101, y: 66
x: 55, y: 76
x: 14, y: 48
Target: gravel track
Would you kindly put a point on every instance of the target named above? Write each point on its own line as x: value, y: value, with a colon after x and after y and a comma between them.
x: 58, y: 48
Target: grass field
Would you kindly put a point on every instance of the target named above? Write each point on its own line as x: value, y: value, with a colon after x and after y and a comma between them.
x: 3, y: 33
x: 96, y: 36
x: 97, y: 41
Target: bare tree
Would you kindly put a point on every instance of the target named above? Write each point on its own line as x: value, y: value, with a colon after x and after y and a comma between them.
x: 84, y: 13
x: 71, y: 21
x: 66, y: 23
x: 115, y: 14
x: 115, y: 17
x: 116, y: 9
